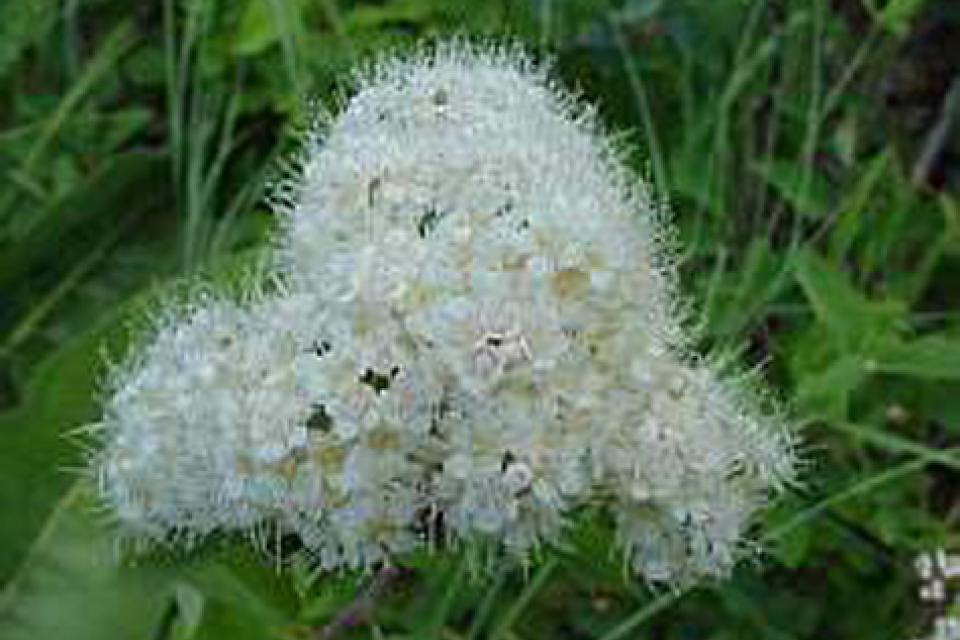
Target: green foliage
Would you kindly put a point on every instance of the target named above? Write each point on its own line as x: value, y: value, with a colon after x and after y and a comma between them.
x: 895, y: 15
x: 36, y: 452
x: 72, y: 570
x: 23, y: 23
x: 135, y: 142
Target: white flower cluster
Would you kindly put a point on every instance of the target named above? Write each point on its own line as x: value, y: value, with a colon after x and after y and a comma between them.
x: 938, y: 572
x: 478, y: 334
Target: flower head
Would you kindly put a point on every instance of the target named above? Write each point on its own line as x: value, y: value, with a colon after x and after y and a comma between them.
x: 481, y: 334
x: 206, y: 427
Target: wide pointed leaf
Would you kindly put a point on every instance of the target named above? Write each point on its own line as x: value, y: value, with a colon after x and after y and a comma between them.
x: 74, y: 586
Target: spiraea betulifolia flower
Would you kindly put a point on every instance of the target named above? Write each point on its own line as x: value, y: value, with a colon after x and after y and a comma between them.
x: 206, y: 427
x: 480, y: 334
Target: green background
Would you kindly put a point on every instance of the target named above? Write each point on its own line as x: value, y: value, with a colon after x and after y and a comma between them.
x: 810, y: 151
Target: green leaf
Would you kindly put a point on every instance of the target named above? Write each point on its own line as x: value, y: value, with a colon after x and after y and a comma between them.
x: 264, y: 23
x: 61, y: 395
x: 897, y: 15
x: 34, y: 454
x: 105, y: 60
x: 934, y: 357
x: 890, y: 441
x: 73, y: 586
x: 86, y: 133
x: 330, y: 595
x: 854, y: 208
x: 512, y: 615
x: 741, y: 295
x: 243, y: 598
x: 939, y: 401
x: 257, y: 30
x: 827, y: 393
x: 376, y: 17
x: 793, y: 547
x: 22, y: 24
x: 805, y: 191
x: 690, y: 168
x: 852, y: 318
x: 190, y: 609
x: 627, y: 627
x: 115, y: 192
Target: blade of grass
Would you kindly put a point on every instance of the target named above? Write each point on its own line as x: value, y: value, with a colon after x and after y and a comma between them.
x: 71, y: 37
x: 105, y: 59
x: 746, y: 69
x: 286, y: 17
x: 114, y: 46
x: 857, y: 489
x: 643, y: 105
x: 534, y: 587
x: 847, y: 219
x: 486, y: 605
x: 811, y: 136
x: 897, y: 444
x: 178, y: 57
x: 332, y: 14
x: 645, y: 614
x: 175, y: 91
x: 439, y: 614
x: 199, y: 160
x: 226, y: 144
x: 546, y: 18
x: 38, y: 313
x: 13, y: 585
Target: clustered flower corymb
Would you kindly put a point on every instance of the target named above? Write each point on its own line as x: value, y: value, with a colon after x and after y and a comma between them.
x: 477, y: 334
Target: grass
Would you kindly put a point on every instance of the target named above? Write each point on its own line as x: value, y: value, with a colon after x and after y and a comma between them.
x: 137, y: 143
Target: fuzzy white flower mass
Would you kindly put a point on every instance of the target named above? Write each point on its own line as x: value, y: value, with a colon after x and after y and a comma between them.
x: 478, y: 334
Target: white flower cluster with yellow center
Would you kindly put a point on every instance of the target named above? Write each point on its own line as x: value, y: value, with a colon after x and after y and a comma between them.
x: 478, y: 334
